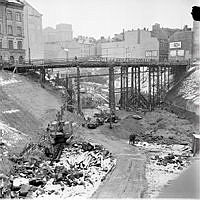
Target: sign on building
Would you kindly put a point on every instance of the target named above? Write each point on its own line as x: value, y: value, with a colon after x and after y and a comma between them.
x: 172, y: 53
x: 151, y: 53
x: 180, y: 52
x: 174, y: 45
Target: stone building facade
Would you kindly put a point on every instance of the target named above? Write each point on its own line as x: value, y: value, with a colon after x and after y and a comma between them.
x: 11, y: 31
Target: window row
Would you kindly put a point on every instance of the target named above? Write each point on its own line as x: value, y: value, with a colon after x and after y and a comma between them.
x: 18, y: 16
x: 11, y: 45
x: 18, y: 33
x: 13, y: 59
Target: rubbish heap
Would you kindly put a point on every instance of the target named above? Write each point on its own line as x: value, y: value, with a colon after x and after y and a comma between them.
x: 58, y: 165
x: 81, y: 169
x: 165, y: 163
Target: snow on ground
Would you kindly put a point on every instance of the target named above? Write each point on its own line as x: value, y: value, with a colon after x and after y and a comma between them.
x: 10, y: 111
x: 191, y: 86
x: 9, y: 136
x: 12, y: 80
x: 165, y: 163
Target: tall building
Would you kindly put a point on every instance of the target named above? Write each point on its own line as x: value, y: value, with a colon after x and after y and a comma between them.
x: 59, y: 43
x: 136, y: 44
x: 62, y: 32
x: 33, y: 35
x: 181, y: 45
x: 11, y: 31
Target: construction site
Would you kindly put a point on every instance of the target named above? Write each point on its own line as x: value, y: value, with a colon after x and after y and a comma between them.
x: 99, y: 117
x: 61, y: 137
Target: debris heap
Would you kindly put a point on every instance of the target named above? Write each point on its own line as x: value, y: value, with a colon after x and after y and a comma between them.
x: 165, y: 163
x: 81, y: 169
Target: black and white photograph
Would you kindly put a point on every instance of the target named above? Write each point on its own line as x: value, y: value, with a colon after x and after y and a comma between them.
x: 99, y: 99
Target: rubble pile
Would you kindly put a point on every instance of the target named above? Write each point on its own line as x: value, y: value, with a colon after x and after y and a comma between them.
x: 165, y: 163
x: 78, y: 173
x: 99, y: 119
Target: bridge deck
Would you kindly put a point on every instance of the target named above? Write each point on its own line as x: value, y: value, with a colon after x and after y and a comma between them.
x: 36, y: 64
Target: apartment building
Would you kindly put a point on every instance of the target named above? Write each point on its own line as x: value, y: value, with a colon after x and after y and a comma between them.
x: 11, y: 31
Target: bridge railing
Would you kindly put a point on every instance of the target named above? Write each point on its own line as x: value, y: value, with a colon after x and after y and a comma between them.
x: 100, y: 59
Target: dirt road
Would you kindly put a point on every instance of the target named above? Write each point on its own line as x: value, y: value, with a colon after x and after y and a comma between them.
x: 128, y: 178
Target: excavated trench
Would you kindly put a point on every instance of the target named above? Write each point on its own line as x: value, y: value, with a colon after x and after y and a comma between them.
x: 161, y: 137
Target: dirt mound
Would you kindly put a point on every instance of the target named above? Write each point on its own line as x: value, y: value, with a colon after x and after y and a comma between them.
x: 185, y: 93
x: 166, y: 127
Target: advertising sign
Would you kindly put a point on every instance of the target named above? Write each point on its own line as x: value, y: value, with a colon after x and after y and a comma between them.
x: 172, y: 53
x: 151, y: 53
x: 180, y: 52
x: 174, y: 45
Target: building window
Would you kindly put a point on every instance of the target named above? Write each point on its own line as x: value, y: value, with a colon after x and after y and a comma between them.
x: 9, y: 15
x: 19, y: 31
x: 18, y: 17
x: 21, y: 59
x: 10, y: 44
x: 19, y: 44
x: 10, y: 30
x: 0, y: 44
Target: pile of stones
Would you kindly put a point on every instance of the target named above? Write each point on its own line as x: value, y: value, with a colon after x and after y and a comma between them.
x: 81, y: 169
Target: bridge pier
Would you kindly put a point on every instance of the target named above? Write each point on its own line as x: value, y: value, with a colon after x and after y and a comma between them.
x: 111, y: 90
x: 150, y: 98
x: 78, y: 91
x: 157, y: 75
x: 42, y: 76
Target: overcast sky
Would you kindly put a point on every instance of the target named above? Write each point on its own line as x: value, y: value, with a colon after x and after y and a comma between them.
x: 106, y: 17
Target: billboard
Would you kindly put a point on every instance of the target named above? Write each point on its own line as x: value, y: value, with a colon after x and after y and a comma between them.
x: 172, y: 53
x: 180, y: 52
x: 151, y: 53
x: 174, y: 45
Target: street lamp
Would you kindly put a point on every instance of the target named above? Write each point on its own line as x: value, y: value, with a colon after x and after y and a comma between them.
x: 67, y: 53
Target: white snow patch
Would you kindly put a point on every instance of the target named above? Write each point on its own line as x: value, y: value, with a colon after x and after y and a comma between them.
x: 9, y: 135
x: 10, y: 111
x: 7, y: 82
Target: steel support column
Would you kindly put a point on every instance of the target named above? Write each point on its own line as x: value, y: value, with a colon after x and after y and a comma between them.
x: 78, y: 90
x: 135, y: 99
x: 138, y: 85
x: 111, y: 90
x: 126, y: 97
x: 150, y: 88
x: 132, y: 81
x: 158, y: 85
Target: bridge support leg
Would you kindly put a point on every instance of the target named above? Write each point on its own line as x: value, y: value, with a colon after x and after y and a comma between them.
x: 126, y: 97
x: 123, y: 82
x: 135, y: 99
x: 42, y: 76
x: 168, y: 73
x: 139, y: 85
x: 164, y: 80
x: 78, y: 91
x: 158, y: 86
x: 153, y: 85
x: 150, y: 88
x: 111, y: 90
x: 132, y: 81
x: 161, y: 83
x: 66, y: 82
